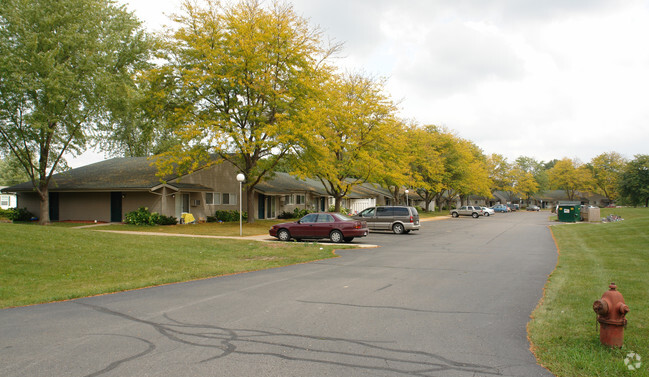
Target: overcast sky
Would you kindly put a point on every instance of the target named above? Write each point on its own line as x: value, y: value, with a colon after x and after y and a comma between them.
x: 545, y: 79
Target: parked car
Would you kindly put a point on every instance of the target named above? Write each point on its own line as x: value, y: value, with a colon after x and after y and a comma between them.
x: 488, y: 211
x: 501, y: 208
x: 533, y: 208
x: 399, y: 219
x: 335, y: 226
x: 513, y: 207
x: 472, y: 211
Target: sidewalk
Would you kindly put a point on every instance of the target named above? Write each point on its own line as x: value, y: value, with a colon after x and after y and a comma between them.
x: 258, y: 238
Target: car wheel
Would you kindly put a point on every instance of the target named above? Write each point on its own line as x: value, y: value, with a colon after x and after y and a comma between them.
x: 283, y: 235
x: 398, y: 228
x: 475, y: 215
x: 455, y: 214
x: 335, y: 236
x: 486, y: 214
x: 348, y: 239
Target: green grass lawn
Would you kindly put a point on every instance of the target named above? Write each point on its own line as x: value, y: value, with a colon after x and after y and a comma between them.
x: 591, y: 257
x: 50, y: 263
x: 230, y: 229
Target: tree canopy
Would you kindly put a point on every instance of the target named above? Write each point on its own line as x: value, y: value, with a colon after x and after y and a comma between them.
x: 634, y: 183
x: 570, y: 176
x: 60, y: 62
x: 348, y: 141
x: 244, y: 73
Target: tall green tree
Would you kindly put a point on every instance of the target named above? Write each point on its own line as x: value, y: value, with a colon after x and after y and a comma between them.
x: 607, y: 169
x: 536, y: 168
x: 634, y: 184
x: 244, y: 72
x: 140, y: 123
x: 11, y: 171
x: 353, y: 135
x: 60, y: 61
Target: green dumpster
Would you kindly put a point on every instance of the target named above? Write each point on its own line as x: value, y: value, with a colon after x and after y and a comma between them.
x: 569, y: 212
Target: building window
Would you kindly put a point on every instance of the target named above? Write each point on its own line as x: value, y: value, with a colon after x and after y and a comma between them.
x: 4, y: 200
x: 229, y: 199
x: 212, y: 198
x: 289, y: 200
x: 300, y: 199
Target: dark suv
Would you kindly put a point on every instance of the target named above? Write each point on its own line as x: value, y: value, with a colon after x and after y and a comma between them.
x: 399, y: 219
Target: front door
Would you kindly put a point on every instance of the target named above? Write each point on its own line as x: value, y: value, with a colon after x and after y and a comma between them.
x: 54, y: 206
x: 261, y: 207
x: 185, y: 203
x: 116, y: 207
x: 271, y: 207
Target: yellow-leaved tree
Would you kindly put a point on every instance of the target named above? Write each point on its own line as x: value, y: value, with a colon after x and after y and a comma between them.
x: 607, y: 170
x: 570, y: 176
x: 243, y: 74
x: 353, y: 134
x: 426, y: 162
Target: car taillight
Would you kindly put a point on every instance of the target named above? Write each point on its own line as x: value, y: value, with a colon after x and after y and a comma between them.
x: 412, y: 220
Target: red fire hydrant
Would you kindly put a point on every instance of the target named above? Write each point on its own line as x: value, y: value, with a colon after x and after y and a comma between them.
x: 611, y: 311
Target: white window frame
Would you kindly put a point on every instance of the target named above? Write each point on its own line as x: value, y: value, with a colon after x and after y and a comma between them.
x: 216, y: 198
x: 289, y: 199
x: 232, y: 199
x: 300, y: 199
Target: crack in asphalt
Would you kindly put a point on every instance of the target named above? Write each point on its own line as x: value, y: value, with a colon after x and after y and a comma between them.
x: 371, y: 355
x: 117, y: 363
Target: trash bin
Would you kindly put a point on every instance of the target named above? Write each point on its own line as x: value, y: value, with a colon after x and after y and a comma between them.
x: 591, y: 215
x: 569, y: 212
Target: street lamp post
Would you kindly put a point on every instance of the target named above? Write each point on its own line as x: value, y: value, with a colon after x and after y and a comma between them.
x: 407, y: 197
x: 240, y: 178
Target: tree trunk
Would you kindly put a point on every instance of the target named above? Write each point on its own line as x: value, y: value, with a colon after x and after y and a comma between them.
x: 44, y: 196
x: 250, y: 204
x: 337, y: 203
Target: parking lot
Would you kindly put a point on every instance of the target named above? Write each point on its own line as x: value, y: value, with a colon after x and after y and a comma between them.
x: 452, y: 299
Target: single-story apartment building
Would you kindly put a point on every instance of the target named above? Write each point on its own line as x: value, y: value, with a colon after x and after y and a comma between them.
x: 105, y: 191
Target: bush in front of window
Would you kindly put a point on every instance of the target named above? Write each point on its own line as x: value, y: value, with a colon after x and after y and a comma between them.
x: 20, y: 214
x: 285, y: 215
x: 142, y: 216
x: 227, y: 216
x: 300, y: 213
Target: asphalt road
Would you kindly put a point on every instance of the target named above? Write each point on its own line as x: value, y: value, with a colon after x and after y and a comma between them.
x: 450, y: 300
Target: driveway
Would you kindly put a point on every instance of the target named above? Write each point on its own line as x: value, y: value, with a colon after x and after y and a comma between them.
x: 450, y: 300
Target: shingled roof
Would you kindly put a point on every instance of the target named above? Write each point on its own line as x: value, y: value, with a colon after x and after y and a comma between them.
x: 117, y: 174
x: 286, y: 184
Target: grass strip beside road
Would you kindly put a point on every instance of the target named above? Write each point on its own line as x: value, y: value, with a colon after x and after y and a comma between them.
x: 48, y: 263
x: 592, y: 256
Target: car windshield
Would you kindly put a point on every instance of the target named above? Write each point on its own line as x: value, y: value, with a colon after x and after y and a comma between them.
x: 368, y: 212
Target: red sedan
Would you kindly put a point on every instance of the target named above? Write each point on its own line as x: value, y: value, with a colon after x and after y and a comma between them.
x: 335, y: 226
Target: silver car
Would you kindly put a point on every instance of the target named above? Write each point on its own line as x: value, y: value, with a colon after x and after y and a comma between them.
x: 473, y: 211
x: 399, y: 219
